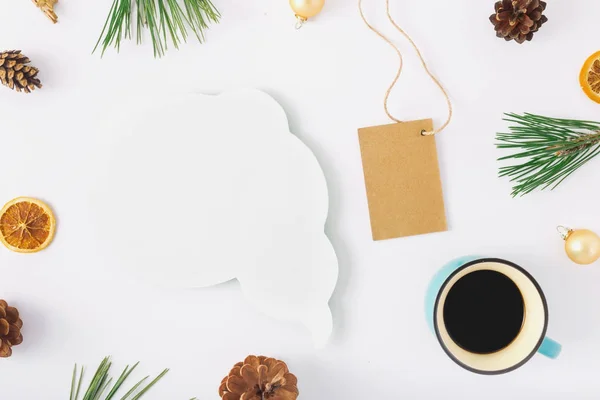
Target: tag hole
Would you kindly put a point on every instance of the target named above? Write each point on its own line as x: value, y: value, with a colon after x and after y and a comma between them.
x: 423, y: 132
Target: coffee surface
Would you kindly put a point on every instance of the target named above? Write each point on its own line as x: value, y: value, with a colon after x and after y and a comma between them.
x: 484, y: 311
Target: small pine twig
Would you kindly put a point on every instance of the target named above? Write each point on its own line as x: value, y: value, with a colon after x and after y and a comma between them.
x: 549, y: 149
x: 165, y: 19
x: 101, y: 381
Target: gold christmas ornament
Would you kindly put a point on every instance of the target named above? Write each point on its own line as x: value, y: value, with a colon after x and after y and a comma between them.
x: 581, y: 245
x: 306, y: 9
x: 47, y: 6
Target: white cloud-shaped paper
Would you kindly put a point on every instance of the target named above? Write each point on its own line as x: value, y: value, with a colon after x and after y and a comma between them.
x: 215, y: 188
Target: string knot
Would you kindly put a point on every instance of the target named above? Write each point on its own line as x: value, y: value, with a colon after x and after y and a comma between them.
x: 418, y: 51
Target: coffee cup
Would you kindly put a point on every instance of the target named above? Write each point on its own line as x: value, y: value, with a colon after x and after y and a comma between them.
x: 489, y: 315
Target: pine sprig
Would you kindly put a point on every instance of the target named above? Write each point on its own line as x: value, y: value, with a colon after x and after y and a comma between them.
x: 549, y: 150
x: 101, y: 381
x: 164, y: 19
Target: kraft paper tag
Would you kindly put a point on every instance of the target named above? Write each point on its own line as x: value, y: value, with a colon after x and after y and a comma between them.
x: 402, y: 176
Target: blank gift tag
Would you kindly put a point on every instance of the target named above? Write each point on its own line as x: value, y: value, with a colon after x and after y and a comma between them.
x: 402, y: 177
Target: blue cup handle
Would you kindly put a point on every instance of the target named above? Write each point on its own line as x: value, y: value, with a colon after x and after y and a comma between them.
x: 550, y: 348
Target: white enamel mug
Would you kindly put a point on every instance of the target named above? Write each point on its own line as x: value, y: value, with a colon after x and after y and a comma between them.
x: 531, y: 338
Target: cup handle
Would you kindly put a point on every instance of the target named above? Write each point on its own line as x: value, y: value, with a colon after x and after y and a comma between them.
x: 550, y: 348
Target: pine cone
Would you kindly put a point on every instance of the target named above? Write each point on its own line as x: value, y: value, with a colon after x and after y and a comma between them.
x: 47, y: 6
x: 518, y: 19
x: 259, y: 378
x: 10, y: 329
x: 15, y: 74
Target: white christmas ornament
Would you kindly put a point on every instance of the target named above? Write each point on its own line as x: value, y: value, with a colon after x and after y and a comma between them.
x: 238, y: 196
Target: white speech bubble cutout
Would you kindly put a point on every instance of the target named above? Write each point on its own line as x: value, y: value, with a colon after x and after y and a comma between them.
x: 215, y: 188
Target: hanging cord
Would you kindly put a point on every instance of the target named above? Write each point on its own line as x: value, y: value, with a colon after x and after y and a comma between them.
x: 397, y: 50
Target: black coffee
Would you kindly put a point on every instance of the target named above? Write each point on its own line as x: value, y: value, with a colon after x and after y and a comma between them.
x: 483, y: 312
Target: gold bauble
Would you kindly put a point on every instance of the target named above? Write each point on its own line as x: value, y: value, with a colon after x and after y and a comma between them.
x: 306, y: 9
x: 582, y: 246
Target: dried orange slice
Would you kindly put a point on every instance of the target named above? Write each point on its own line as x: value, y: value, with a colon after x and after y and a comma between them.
x: 590, y: 77
x: 27, y: 225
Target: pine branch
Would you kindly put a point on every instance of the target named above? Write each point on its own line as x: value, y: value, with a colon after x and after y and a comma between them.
x: 101, y: 381
x: 165, y: 19
x: 549, y: 150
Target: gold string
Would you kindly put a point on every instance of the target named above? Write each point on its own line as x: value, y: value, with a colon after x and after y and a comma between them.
x: 397, y: 50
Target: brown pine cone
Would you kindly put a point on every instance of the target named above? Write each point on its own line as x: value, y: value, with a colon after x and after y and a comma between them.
x: 10, y: 329
x: 15, y: 74
x: 259, y: 378
x: 518, y: 19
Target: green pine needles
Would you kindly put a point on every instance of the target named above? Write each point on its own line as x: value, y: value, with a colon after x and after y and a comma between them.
x: 101, y: 382
x: 165, y: 19
x: 549, y: 150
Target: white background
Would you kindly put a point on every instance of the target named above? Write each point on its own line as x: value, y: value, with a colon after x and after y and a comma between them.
x: 330, y: 77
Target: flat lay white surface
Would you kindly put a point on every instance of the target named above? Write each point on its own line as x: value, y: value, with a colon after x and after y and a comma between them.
x: 330, y: 78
